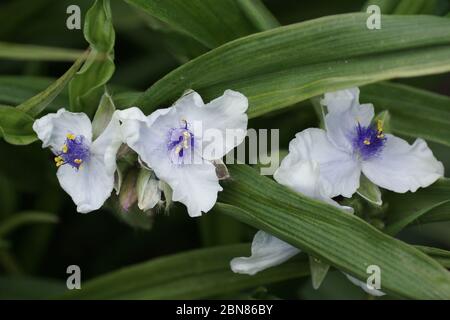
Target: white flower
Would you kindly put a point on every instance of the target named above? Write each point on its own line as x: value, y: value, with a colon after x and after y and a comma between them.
x: 353, y: 144
x: 85, y: 168
x: 179, y: 143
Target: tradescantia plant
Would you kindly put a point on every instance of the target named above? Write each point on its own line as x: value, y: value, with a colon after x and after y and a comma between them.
x: 149, y: 141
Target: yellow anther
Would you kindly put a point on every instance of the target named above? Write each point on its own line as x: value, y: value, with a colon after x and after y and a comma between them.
x: 78, y: 161
x: 58, y: 159
x: 70, y: 136
x: 186, y: 134
x: 65, y: 148
x: 380, y: 125
x: 380, y: 135
x: 367, y: 141
x: 178, y: 149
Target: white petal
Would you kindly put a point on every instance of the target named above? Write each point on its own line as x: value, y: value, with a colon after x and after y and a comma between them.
x: 136, y: 132
x: 339, y: 170
x: 194, y: 185
x: 223, y: 121
x: 90, y: 186
x: 365, y: 287
x: 108, y: 143
x: 342, y: 100
x: 267, y: 251
x: 402, y: 167
x: 53, y: 128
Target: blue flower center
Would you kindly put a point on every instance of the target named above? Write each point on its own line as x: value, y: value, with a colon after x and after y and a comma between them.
x: 74, y: 152
x: 369, y: 141
x: 180, y: 143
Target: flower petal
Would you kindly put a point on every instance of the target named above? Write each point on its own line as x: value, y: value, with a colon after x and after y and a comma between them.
x: 344, y: 114
x: 401, y: 167
x: 340, y: 101
x: 108, y: 143
x: 339, y: 170
x: 365, y: 287
x: 223, y: 121
x: 89, y: 186
x: 267, y: 251
x: 52, y: 128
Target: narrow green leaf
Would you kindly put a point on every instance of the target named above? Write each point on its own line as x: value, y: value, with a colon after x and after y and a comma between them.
x: 440, y: 255
x: 36, y: 104
x: 196, y: 274
x: 414, y: 112
x: 258, y: 14
x: 16, y: 126
x: 335, y: 237
x: 318, y: 271
x: 286, y: 65
x: 14, y: 90
x: 24, y: 218
x: 86, y: 88
x: 103, y: 115
x: 408, y: 207
x: 14, y: 51
x: 210, y: 22
x: 369, y: 191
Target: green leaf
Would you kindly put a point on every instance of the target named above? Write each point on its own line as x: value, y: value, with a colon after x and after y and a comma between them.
x: 414, y: 112
x: 103, y: 115
x: 318, y: 270
x: 408, y: 207
x: 196, y: 274
x: 286, y: 65
x: 87, y: 87
x: 16, y: 126
x: 14, y: 51
x: 369, y: 191
x: 210, y: 22
x: 441, y: 256
x: 36, y: 104
x: 258, y: 14
x: 335, y: 237
x: 24, y: 218
x: 14, y: 90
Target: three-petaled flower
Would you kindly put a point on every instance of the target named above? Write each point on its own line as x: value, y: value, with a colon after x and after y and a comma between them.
x: 85, y: 167
x: 179, y: 143
x: 324, y: 164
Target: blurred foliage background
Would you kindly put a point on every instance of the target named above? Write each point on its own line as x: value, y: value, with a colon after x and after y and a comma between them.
x: 37, y: 254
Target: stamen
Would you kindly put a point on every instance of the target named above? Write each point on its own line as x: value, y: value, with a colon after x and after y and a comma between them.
x: 180, y: 140
x: 73, y: 152
x: 369, y: 141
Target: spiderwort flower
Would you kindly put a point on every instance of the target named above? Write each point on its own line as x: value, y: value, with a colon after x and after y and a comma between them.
x: 352, y: 144
x: 85, y: 168
x: 179, y: 143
